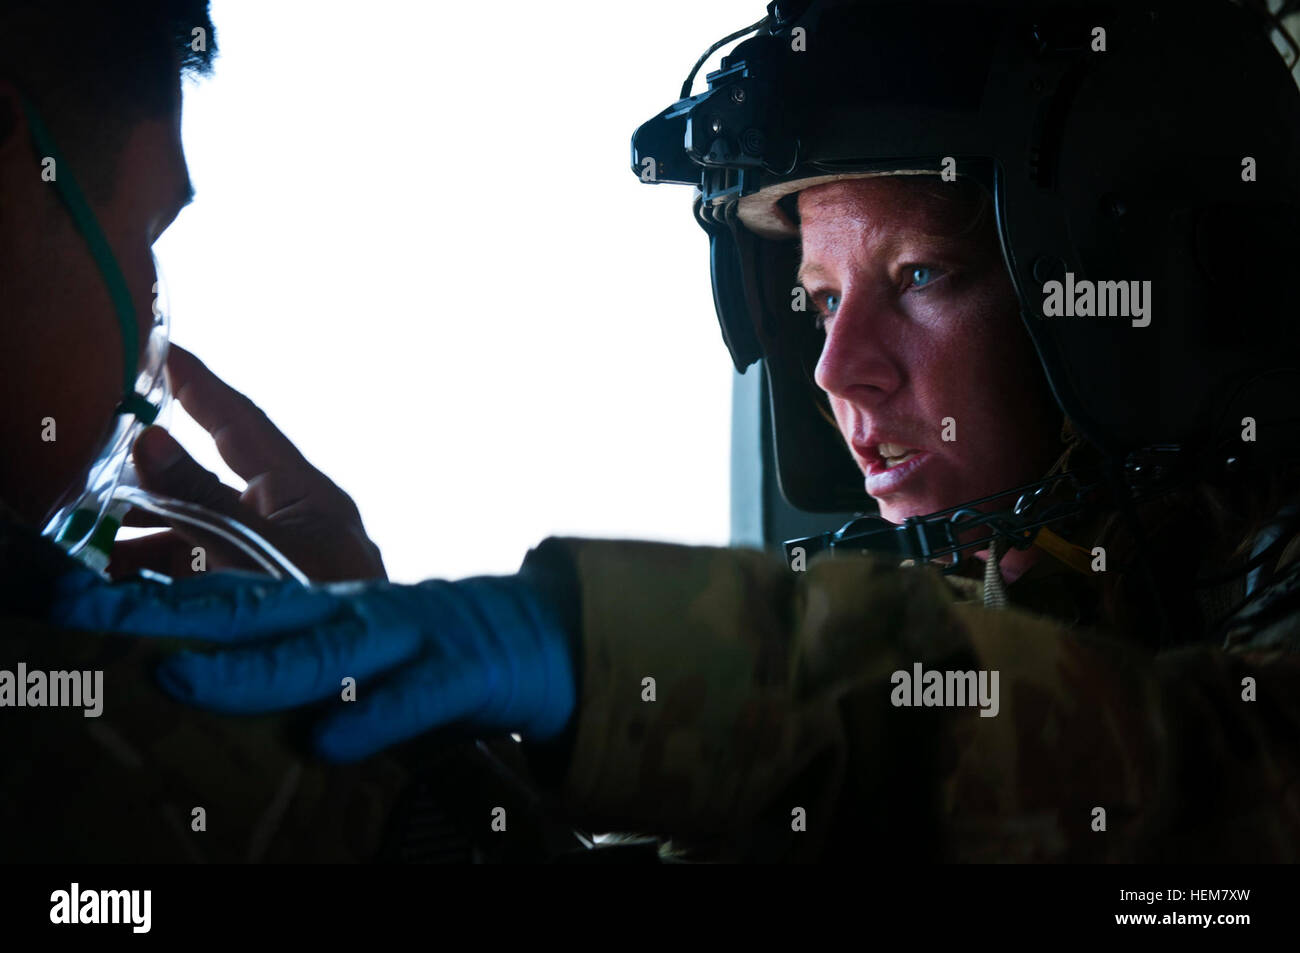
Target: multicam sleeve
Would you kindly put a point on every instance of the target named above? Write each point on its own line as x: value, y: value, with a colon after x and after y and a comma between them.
x: 729, y: 702
x: 1102, y: 752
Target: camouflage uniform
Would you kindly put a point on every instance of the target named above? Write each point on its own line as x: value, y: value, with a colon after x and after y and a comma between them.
x: 123, y: 786
x: 773, y: 693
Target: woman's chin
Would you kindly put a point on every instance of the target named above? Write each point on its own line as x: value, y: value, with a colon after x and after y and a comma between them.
x: 897, y: 511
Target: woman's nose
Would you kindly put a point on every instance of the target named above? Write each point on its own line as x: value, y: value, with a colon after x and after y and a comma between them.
x: 857, y: 362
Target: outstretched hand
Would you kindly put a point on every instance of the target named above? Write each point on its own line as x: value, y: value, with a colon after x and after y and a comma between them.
x: 487, y: 655
x: 296, y: 507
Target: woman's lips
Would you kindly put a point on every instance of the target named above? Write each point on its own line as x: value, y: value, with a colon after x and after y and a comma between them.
x: 882, y: 480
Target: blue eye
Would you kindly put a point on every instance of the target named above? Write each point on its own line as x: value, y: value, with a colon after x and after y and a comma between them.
x: 830, y: 303
x: 922, y: 276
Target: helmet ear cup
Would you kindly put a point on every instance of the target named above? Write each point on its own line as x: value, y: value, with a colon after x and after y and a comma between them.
x: 1151, y: 173
x: 1242, y: 251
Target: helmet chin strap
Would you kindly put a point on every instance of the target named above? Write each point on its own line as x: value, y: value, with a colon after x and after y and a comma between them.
x: 1075, y: 557
x: 947, y: 533
x: 84, y: 218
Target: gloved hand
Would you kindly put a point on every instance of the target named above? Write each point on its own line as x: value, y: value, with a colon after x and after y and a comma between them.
x: 489, y: 654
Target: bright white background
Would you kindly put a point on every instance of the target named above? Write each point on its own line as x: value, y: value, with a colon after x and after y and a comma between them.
x: 418, y: 245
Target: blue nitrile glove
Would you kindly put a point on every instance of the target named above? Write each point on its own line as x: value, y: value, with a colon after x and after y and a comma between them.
x: 490, y: 654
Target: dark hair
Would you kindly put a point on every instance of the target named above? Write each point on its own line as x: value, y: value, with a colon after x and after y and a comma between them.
x: 95, y: 68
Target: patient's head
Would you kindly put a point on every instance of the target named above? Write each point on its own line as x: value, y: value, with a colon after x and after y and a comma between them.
x: 109, y: 91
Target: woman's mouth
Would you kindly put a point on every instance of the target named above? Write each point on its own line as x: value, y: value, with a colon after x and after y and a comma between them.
x: 894, y: 453
x: 893, y: 466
